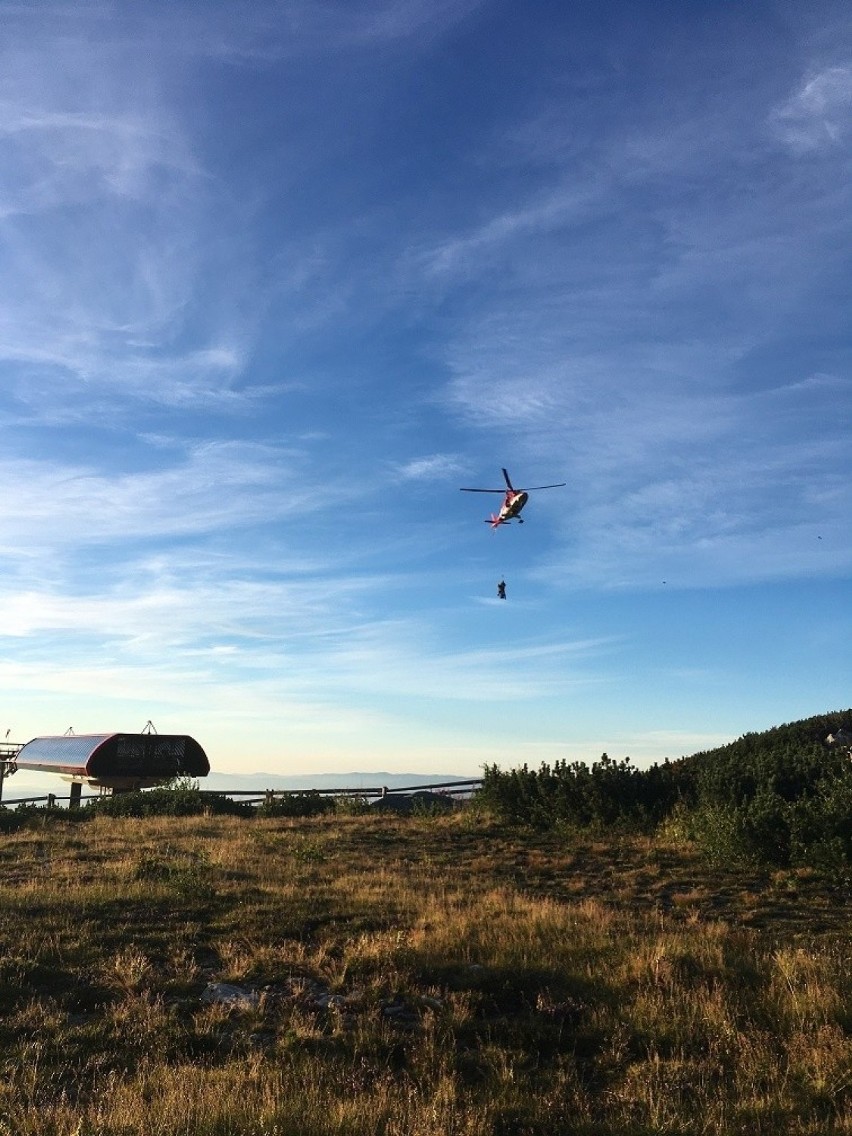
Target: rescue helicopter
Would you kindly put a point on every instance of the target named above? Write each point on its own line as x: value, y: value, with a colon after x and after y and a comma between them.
x: 513, y: 501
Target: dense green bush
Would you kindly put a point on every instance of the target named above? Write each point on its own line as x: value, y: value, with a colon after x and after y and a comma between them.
x: 306, y: 804
x: 814, y: 830
x: 782, y: 797
x: 24, y: 815
x: 821, y: 830
x: 180, y: 799
x: 757, y: 831
x: 13, y: 819
x: 351, y: 804
x: 601, y: 795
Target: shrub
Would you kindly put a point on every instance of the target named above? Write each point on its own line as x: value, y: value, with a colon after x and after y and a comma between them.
x: 180, y: 799
x: 780, y: 798
x: 11, y: 820
x: 305, y: 804
x: 599, y: 796
x: 821, y: 828
x: 351, y: 804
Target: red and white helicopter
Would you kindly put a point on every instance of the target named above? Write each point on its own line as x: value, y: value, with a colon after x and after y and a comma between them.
x: 513, y: 501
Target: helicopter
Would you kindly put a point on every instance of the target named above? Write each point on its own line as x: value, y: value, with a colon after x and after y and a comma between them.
x: 513, y: 501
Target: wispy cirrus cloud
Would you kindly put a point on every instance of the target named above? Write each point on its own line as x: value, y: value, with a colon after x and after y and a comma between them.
x: 469, y: 253
x: 819, y: 113
x: 232, y: 661
x: 377, y: 22
x: 432, y: 466
x: 298, y: 28
x: 633, y: 333
x: 120, y: 257
x: 384, y: 657
x: 192, y: 612
x: 215, y: 487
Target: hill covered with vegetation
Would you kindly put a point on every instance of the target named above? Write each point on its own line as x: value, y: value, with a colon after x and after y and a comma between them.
x: 783, y: 796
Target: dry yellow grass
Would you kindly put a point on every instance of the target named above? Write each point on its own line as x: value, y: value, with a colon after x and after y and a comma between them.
x: 414, y: 976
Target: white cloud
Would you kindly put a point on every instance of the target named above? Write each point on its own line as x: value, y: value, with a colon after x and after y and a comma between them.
x: 123, y: 270
x: 433, y: 466
x: 391, y: 20
x: 819, y: 113
x: 216, y: 487
x: 401, y: 658
x: 73, y: 156
x: 324, y: 27
x: 627, y: 337
x: 674, y: 471
x: 236, y: 623
x: 468, y: 254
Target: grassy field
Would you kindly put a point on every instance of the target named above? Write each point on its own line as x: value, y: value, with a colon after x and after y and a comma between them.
x: 412, y: 976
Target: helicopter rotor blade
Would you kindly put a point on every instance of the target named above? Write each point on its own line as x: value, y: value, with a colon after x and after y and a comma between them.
x: 555, y: 485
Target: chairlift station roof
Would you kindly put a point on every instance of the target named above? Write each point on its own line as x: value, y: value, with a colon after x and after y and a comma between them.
x: 116, y: 761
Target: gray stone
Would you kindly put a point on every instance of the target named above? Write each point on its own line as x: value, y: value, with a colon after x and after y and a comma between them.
x: 226, y: 994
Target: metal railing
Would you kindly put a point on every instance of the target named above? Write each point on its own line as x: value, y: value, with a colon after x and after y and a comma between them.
x: 50, y: 798
x: 261, y: 796
x: 450, y: 788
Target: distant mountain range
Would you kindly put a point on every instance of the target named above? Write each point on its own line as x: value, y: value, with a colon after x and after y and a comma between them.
x: 231, y: 782
x: 28, y: 784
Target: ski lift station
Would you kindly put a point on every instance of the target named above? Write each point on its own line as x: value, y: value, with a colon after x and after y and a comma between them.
x: 117, y: 762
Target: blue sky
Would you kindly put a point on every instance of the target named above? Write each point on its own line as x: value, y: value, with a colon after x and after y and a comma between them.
x: 277, y: 279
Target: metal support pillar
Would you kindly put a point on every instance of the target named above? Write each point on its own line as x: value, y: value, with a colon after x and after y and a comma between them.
x: 76, y: 794
x: 7, y: 768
